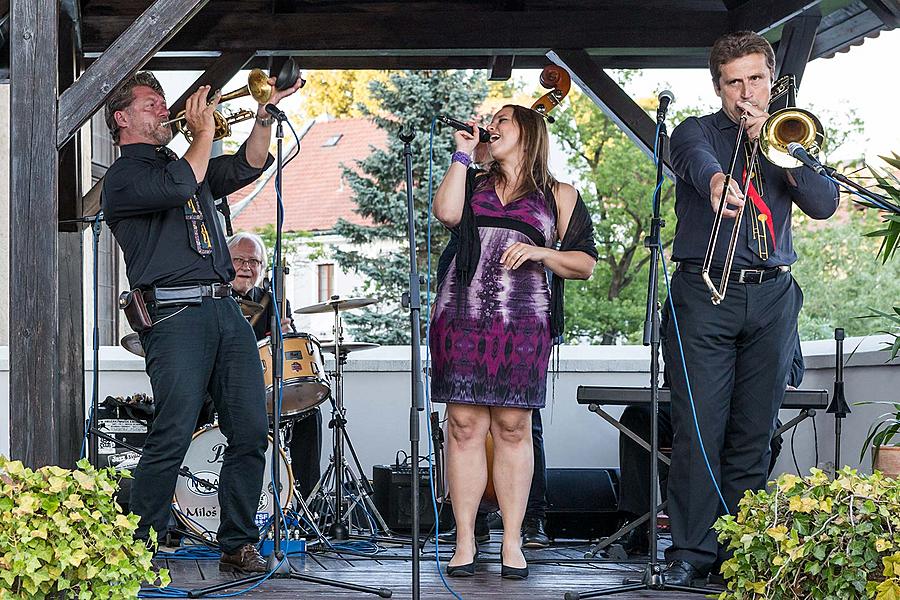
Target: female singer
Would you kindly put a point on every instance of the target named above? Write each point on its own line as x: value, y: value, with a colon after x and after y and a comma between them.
x: 495, y: 319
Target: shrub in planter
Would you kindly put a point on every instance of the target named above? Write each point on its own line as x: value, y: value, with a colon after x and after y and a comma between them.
x: 62, y: 535
x: 815, y: 538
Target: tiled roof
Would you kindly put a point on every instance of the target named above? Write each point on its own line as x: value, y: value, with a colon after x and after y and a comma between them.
x: 315, y: 192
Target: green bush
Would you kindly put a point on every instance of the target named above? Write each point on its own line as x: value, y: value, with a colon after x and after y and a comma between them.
x: 814, y: 538
x: 62, y: 531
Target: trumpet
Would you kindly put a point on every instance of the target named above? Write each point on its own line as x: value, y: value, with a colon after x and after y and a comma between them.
x: 780, y: 129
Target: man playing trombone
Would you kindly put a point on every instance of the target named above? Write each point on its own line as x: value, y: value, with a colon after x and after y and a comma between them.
x: 737, y: 347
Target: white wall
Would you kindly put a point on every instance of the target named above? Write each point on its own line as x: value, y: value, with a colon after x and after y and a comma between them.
x: 377, y: 397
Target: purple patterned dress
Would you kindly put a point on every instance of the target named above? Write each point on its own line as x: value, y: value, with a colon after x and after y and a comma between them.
x: 491, y: 347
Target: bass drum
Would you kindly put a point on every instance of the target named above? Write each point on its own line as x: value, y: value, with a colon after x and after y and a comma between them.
x: 196, y: 501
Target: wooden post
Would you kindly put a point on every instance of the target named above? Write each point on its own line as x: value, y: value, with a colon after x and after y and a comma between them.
x: 34, y: 399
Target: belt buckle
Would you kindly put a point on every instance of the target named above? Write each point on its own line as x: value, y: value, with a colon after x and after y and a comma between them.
x: 742, y: 277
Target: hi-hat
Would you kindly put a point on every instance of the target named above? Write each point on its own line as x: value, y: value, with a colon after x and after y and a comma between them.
x: 335, y: 304
x: 249, y: 308
x: 132, y: 343
x: 346, y: 347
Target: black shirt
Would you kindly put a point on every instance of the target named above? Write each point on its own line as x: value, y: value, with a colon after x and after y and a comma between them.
x: 144, y: 196
x: 262, y: 326
x: 701, y: 147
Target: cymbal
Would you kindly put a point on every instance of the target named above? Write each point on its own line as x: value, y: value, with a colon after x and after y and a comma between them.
x: 346, y: 347
x: 132, y: 343
x: 335, y: 304
x: 249, y: 307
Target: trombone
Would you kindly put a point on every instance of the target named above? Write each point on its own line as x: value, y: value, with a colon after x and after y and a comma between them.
x: 782, y: 128
x: 258, y: 87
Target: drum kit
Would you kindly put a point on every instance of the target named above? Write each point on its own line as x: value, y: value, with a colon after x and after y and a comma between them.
x: 306, y: 384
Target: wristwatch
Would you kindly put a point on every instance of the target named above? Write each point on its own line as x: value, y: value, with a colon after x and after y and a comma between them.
x: 265, y: 122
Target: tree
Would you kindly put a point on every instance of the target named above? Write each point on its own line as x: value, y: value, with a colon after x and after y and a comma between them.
x: 617, y: 181
x: 339, y: 94
x: 407, y: 99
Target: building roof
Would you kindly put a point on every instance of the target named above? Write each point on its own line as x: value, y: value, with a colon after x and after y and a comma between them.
x: 315, y: 192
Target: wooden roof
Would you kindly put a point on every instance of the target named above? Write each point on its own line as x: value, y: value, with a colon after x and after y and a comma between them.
x: 381, y: 34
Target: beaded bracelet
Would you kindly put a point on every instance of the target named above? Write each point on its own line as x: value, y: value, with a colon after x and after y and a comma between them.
x: 462, y: 158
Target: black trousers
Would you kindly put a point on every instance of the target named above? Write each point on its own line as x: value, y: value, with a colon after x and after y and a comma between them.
x: 738, y: 356
x: 306, y: 451
x: 537, y: 495
x: 191, y: 352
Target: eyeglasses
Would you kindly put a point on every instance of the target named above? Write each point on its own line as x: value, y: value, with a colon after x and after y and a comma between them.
x: 250, y: 262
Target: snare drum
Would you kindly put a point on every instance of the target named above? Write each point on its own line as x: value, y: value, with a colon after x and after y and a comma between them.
x: 197, y: 506
x: 305, y: 384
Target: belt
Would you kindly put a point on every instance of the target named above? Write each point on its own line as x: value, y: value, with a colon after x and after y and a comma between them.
x: 739, y: 275
x: 204, y: 290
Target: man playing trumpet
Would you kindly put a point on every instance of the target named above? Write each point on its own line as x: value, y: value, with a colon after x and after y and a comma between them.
x: 738, y: 353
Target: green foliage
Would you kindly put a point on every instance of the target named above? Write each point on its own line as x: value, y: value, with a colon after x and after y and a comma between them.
x: 410, y: 99
x: 840, y: 274
x: 890, y: 234
x: 814, y: 538
x: 291, y: 241
x: 617, y: 181
x: 882, y: 431
x: 62, y: 531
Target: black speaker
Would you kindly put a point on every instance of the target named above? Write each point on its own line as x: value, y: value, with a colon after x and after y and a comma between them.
x: 582, y: 503
x: 392, y: 497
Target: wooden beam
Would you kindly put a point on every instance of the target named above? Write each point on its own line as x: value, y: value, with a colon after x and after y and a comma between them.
x: 796, y: 45
x: 501, y: 67
x: 34, y: 302
x: 840, y: 36
x: 131, y: 49
x: 886, y: 10
x: 763, y: 16
x: 70, y: 429
x: 216, y: 76
x: 612, y: 99
x: 451, y: 31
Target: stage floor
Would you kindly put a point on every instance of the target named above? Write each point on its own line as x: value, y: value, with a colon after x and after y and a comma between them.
x: 553, y: 572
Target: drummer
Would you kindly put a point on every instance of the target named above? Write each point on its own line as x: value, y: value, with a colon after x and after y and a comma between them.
x: 248, y: 255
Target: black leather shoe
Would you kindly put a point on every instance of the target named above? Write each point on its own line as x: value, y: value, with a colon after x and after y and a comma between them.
x: 533, y: 534
x: 681, y: 573
x: 246, y: 560
x: 482, y: 531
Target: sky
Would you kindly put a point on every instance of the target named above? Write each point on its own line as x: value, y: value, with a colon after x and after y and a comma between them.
x: 862, y: 79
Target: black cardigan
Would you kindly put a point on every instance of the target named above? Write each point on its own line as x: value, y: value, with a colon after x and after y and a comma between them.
x: 464, y: 245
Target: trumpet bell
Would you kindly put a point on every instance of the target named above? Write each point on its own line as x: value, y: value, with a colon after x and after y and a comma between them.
x: 791, y: 125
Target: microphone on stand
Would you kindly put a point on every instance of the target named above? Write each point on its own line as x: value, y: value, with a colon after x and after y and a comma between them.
x: 797, y: 150
x: 483, y: 135
x: 276, y: 112
x: 666, y: 97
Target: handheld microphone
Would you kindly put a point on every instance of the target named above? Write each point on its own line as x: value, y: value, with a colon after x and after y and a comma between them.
x: 665, y: 98
x: 276, y: 112
x: 797, y: 150
x: 483, y: 135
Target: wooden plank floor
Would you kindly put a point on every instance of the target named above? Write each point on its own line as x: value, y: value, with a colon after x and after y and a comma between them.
x: 554, y: 571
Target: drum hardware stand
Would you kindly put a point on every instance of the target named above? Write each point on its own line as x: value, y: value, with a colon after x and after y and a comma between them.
x: 653, y: 577
x: 278, y: 565
x: 838, y: 407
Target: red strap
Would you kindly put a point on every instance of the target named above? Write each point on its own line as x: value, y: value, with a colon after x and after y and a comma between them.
x: 762, y: 207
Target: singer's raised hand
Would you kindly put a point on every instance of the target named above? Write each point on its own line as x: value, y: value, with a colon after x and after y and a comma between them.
x: 465, y: 141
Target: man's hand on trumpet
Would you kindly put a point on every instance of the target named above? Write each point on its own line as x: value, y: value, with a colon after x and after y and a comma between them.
x: 755, y: 118
x: 734, y: 198
x: 199, y: 113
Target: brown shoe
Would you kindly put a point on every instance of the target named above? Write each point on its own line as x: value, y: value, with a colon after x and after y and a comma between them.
x: 246, y: 560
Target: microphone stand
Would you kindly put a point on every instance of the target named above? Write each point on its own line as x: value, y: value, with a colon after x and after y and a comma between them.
x: 412, y: 300
x: 277, y: 563
x: 838, y: 407
x: 653, y: 578
x: 90, y: 428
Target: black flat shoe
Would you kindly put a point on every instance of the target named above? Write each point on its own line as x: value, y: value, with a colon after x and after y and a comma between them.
x: 681, y: 573
x: 511, y: 572
x: 466, y: 570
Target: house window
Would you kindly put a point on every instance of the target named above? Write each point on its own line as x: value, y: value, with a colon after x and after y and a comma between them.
x: 326, y: 282
x: 333, y: 140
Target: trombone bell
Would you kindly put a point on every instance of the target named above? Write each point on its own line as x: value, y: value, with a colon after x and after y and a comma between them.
x: 791, y: 125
